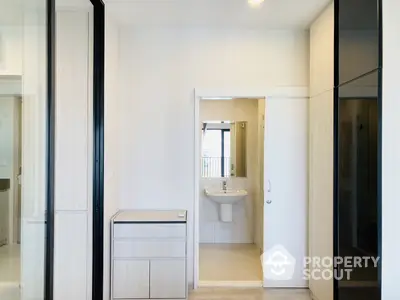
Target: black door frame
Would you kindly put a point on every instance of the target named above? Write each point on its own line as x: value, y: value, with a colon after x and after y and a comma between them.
x: 98, y: 149
x: 50, y: 148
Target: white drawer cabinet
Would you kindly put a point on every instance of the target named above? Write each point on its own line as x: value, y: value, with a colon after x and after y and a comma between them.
x: 157, y: 230
x: 149, y: 255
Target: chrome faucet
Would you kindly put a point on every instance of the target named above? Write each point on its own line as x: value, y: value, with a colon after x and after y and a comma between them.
x: 224, y: 185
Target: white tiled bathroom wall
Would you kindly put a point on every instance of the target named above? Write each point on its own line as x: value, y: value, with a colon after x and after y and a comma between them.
x: 212, y: 230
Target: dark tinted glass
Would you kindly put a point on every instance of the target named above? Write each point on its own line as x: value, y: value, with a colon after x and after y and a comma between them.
x: 358, y: 216
x: 358, y: 38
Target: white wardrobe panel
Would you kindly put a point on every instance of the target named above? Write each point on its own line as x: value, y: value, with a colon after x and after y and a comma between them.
x: 70, y: 256
x: 320, y: 221
x: 32, y: 258
x: 320, y: 147
x: 72, y: 103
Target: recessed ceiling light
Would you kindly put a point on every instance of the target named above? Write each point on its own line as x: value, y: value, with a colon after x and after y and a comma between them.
x: 255, y: 3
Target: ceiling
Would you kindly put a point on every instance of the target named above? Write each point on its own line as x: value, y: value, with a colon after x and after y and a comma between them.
x: 11, y: 11
x: 272, y: 14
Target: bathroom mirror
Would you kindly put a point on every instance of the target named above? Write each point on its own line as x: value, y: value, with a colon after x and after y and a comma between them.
x: 224, y: 149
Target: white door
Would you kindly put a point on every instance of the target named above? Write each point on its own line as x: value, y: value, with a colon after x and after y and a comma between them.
x: 168, y: 279
x: 285, y: 187
x: 131, y: 279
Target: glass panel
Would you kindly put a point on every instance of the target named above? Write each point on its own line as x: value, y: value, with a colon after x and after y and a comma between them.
x: 358, y: 187
x: 34, y: 152
x: 23, y: 148
x: 358, y: 38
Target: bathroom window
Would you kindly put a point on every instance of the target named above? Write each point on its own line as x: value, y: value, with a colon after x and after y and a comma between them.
x: 216, y: 153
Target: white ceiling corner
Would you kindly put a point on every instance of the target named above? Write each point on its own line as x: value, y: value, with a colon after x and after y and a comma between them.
x: 273, y: 14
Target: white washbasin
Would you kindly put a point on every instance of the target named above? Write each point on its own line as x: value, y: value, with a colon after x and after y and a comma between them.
x: 226, y: 197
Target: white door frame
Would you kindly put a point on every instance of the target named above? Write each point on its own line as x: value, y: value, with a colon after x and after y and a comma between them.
x: 221, y: 94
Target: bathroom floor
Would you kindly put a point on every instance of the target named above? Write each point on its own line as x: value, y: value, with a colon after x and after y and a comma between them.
x: 10, y: 263
x: 249, y: 294
x: 230, y: 262
x: 9, y: 272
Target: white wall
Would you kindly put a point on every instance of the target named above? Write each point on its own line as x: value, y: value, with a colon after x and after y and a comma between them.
x: 159, y: 69
x: 11, y: 50
x: 73, y: 157
x: 10, y: 85
x: 390, y: 151
x: 321, y: 146
x: 112, y: 140
x: 241, y: 230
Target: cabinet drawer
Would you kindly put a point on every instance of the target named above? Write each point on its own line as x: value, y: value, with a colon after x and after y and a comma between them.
x: 150, y: 231
x: 149, y: 248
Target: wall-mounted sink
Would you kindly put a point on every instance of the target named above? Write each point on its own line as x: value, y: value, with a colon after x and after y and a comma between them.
x: 226, y: 198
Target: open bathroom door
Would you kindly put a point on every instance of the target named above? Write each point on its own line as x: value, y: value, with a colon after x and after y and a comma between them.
x: 285, y: 196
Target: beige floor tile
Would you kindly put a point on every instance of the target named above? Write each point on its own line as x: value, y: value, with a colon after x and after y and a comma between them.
x: 230, y: 262
x: 249, y: 294
x: 9, y: 291
x: 10, y: 264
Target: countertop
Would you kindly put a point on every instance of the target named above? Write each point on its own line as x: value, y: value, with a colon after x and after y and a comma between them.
x: 150, y: 216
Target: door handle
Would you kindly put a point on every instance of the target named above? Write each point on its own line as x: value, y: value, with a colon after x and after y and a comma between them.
x: 269, y: 201
x: 269, y: 186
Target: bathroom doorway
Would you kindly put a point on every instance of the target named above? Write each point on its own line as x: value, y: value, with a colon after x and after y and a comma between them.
x: 251, y: 186
x: 231, y: 192
x: 10, y: 191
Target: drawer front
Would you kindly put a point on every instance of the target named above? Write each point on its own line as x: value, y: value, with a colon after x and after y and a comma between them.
x: 149, y: 248
x: 150, y: 231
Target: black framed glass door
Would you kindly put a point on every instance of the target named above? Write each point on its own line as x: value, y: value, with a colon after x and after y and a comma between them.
x: 27, y: 114
x: 358, y: 105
